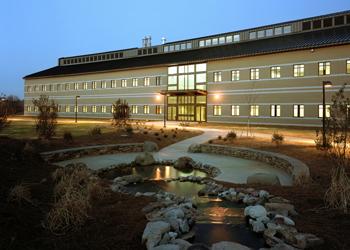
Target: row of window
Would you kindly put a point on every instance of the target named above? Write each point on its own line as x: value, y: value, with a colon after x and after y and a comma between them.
x: 270, y: 32
x: 98, y: 109
x: 95, y: 58
x: 326, y: 22
x: 219, y: 40
x: 324, y: 68
x: 146, y: 81
x: 275, y: 110
x: 177, y: 47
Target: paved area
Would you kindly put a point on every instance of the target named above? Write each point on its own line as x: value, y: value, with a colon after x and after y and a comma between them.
x: 232, y: 169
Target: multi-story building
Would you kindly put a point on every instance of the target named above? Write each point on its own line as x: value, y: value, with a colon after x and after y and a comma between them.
x: 268, y: 75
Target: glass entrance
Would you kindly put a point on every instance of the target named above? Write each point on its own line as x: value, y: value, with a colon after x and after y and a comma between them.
x: 187, y: 108
x: 172, y: 113
x: 201, y: 113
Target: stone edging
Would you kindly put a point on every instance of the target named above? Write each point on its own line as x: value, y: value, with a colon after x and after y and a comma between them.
x: 297, y: 169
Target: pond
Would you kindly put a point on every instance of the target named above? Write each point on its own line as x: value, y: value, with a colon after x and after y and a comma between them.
x: 217, y: 220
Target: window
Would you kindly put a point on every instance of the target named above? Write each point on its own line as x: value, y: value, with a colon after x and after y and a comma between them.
x: 215, y: 41
x: 29, y: 108
x: 254, y: 110
x: 158, y: 109
x: 208, y: 42
x: 287, y: 29
x: 36, y: 108
x: 320, y: 110
x: 269, y: 32
x: 201, y: 43
x: 85, y: 85
x: 275, y: 72
x: 76, y: 86
x: 254, y: 74
x: 276, y: 110
x: 94, y: 109
x: 261, y: 33
x: 43, y: 88
x: 157, y: 80
x: 172, y: 70
x: 134, y: 82
x: 252, y: 35
x: 146, y: 109
x: 94, y: 85
x: 113, y: 84
x: 324, y: 68
x: 146, y: 81
x: 298, y: 110
x: 85, y: 109
x: 236, y: 38
x: 229, y: 39
x: 299, y: 70
x: 316, y: 24
x: 201, y: 67
x: 327, y: 22
x: 67, y: 108
x: 124, y: 83
x: 103, y: 84
x: 103, y: 108
x: 217, y: 110
x: 221, y: 40
x: 278, y: 31
x: 134, y: 109
x: 306, y: 25
x: 217, y: 76
x: 235, y: 75
x: 201, y: 78
x: 339, y: 20
x: 235, y: 110
x: 348, y: 66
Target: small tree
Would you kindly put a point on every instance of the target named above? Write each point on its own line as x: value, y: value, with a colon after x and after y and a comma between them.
x: 4, y: 112
x: 121, y: 113
x: 46, y: 121
x: 337, y: 132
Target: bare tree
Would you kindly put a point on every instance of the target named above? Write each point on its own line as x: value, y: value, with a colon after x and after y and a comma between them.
x: 4, y: 112
x: 46, y: 121
x: 121, y: 113
x: 337, y: 132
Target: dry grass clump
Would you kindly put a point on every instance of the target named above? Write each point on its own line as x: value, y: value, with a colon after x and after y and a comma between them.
x: 74, y: 191
x: 20, y: 193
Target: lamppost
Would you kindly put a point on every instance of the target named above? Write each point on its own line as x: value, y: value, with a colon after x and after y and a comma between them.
x: 325, y: 84
x: 76, y: 108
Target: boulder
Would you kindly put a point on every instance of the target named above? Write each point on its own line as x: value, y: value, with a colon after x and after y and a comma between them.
x: 198, y: 246
x: 280, y: 219
x: 228, y: 245
x: 194, y: 148
x: 307, y: 241
x: 145, y: 159
x: 167, y: 247
x: 153, y: 233
x: 257, y: 226
x: 184, y: 163
x: 263, y: 179
x: 281, y: 208
x: 150, y: 146
x: 282, y: 246
x: 134, y: 178
x: 255, y: 211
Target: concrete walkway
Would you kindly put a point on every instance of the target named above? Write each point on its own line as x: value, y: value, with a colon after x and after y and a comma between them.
x: 234, y: 170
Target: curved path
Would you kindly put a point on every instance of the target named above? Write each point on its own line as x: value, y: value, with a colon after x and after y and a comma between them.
x: 232, y: 169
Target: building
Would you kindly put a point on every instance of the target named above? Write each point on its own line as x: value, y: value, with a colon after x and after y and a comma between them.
x: 268, y: 75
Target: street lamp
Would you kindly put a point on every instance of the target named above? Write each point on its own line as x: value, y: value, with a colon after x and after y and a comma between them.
x: 325, y: 84
x: 165, y: 110
x: 76, y: 108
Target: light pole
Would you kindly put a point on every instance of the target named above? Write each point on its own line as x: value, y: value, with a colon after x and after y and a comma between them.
x: 76, y: 108
x: 325, y: 84
x: 165, y: 111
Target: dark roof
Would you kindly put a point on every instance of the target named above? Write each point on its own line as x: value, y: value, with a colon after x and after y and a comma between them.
x: 298, y: 41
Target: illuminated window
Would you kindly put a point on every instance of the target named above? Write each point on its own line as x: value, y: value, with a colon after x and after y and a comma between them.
x: 85, y: 109
x: 113, y: 83
x: 85, y: 85
x: 94, y: 109
x: 124, y: 83
x: 275, y: 72
x: 217, y: 110
x: 103, y: 108
x: 66, y: 86
x: 276, y: 110
x: 320, y: 110
x: 94, y: 85
x: 201, y: 67
x: 135, y: 82
x: 324, y: 68
x: 235, y: 75
x: 146, y: 109
x: 67, y: 108
x: 158, y: 109
x: 348, y: 66
x: 103, y: 84
x: 201, y: 78
x: 172, y: 70
x: 254, y: 110
x: 157, y: 80
x: 134, y: 109
x: 299, y: 70
x: 76, y: 86
x: 235, y: 110
x: 254, y: 74
x: 146, y: 81
x: 298, y: 110
x: 43, y: 88
x: 217, y: 76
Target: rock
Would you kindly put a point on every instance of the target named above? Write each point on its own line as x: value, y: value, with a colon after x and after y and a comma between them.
x: 263, y: 179
x: 184, y: 163
x: 287, y: 233
x: 198, y: 246
x: 263, y: 194
x: 116, y: 187
x: 184, y: 227
x: 278, y: 199
x: 282, y: 246
x: 188, y: 235
x: 149, y: 146
x: 257, y: 226
x: 250, y: 200
x: 153, y: 233
x: 255, y: 211
x: 145, y: 159
x: 280, y: 219
x: 132, y: 178
x: 172, y: 235
x: 167, y: 247
x: 183, y: 244
x: 149, y: 194
x: 194, y: 148
x: 281, y: 208
x: 175, y: 213
x: 307, y: 241
x: 228, y: 245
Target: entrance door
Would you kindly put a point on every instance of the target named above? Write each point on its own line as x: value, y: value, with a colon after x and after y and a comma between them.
x: 201, y: 115
x: 172, y: 113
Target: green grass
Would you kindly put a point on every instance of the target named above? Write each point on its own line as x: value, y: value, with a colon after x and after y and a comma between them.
x: 26, y: 129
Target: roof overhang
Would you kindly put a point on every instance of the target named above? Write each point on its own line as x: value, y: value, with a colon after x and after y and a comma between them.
x: 183, y: 92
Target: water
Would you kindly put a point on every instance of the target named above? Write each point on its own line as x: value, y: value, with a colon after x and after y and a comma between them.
x: 217, y: 220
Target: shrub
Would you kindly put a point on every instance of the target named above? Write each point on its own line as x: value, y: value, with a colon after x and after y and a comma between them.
x: 161, y: 130
x: 46, y: 121
x: 165, y: 136
x: 145, y: 132
x: 121, y: 113
x: 19, y: 194
x: 4, y: 112
x: 231, y: 135
x: 210, y: 141
x: 219, y: 137
x: 129, y: 130
x: 174, y: 135
x: 67, y: 137
x: 156, y: 133
x: 277, y: 138
x: 96, y: 131
x: 159, y: 139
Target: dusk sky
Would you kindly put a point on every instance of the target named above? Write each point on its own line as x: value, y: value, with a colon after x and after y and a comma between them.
x: 35, y: 33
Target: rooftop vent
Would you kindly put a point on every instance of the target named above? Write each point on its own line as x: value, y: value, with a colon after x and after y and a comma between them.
x: 147, y: 41
x: 163, y: 40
